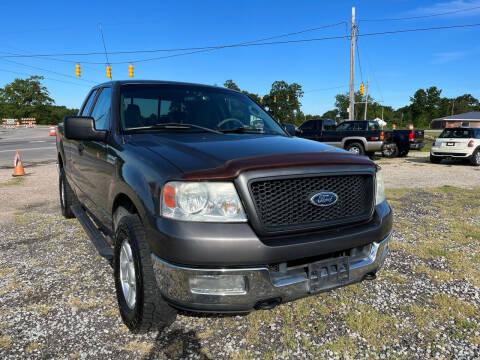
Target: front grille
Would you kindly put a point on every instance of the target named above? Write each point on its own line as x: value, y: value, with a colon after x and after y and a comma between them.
x: 284, y: 204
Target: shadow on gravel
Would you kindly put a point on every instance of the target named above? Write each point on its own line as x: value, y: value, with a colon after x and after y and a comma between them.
x: 426, y: 160
x: 177, y: 344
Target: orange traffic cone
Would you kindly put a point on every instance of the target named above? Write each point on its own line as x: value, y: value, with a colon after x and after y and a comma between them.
x: 18, y: 169
x: 53, y: 131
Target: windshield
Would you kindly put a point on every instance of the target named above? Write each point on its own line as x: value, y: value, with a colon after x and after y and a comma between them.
x: 456, y: 133
x: 145, y: 105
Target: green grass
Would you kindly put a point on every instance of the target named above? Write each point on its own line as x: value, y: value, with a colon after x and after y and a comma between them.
x: 15, y: 181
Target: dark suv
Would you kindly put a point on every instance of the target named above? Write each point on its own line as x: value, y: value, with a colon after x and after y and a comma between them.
x: 202, y: 201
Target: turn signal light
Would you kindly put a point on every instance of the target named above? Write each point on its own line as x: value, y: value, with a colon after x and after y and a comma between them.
x: 411, y: 136
x: 169, y: 196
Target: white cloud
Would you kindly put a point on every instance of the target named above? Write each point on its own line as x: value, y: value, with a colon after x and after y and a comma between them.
x: 448, y: 57
x: 456, y: 6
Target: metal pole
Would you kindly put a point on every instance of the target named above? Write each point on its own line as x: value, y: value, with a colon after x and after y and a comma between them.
x: 366, y: 102
x: 351, y: 113
x: 453, y: 104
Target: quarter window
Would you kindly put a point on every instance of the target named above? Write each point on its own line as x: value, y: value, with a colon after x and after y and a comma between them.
x: 88, y: 104
x: 101, y: 110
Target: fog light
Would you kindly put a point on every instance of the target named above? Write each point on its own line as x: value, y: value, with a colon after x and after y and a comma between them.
x: 218, y: 284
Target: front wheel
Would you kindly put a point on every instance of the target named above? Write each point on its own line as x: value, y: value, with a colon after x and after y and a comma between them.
x: 475, y: 158
x: 141, y: 306
x: 67, y: 196
x: 355, y: 148
x: 390, y: 150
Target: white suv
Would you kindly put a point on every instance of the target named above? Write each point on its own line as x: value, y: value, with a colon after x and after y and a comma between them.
x: 462, y: 143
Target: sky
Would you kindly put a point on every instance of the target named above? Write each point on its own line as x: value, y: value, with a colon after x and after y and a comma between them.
x: 396, y: 64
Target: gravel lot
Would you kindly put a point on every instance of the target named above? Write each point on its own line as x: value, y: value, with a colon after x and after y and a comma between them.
x: 57, y: 296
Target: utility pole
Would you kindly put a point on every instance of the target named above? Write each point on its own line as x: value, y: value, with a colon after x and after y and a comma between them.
x: 453, y: 104
x: 366, y: 101
x: 351, y: 113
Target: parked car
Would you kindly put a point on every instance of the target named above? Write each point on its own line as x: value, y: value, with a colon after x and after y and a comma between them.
x: 457, y: 143
x: 400, y: 142
x: 359, y: 137
x: 197, y: 209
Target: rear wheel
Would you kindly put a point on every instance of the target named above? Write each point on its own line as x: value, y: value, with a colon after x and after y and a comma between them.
x: 475, y: 158
x: 67, y: 196
x: 141, y: 305
x: 435, y: 159
x: 355, y: 148
x: 403, y: 153
x: 390, y: 150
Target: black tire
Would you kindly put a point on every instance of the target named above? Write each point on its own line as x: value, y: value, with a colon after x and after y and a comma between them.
x: 475, y: 158
x: 68, y: 198
x: 435, y: 159
x: 149, y: 312
x: 404, y: 153
x: 370, y: 154
x: 355, y: 148
x: 390, y: 150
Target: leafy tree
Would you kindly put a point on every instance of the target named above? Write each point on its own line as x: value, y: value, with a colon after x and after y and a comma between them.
x: 26, y: 92
x: 29, y: 98
x: 231, y: 85
x: 283, y: 101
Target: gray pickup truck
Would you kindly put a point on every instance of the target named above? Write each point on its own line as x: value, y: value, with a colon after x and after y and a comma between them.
x: 201, y: 201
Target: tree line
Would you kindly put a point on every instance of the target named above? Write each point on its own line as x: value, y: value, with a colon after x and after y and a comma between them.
x: 425, y: 105
x: 29, y: 98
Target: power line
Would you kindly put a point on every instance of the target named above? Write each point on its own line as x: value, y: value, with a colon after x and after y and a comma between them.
x: 358, y: 57
x: 421, y: 16
x: 258, y: 43
x: 46, y: 78
x: 302, y: 41
x: 50, y: 71
x: 215, y: 47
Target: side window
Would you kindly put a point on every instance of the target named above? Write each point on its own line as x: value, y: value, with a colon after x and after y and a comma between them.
x: 102, y: 108
x: 477, y: 134
x: 309, y: 125
x: 372, y: 125
x: 360, y: 125
x: 88, y: 105
x: 348, y: 125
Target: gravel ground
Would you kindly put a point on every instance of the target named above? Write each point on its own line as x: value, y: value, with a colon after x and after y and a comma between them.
x: 57, y: 295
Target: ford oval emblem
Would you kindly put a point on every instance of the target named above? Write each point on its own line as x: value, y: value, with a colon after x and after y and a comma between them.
x: 324, y: 198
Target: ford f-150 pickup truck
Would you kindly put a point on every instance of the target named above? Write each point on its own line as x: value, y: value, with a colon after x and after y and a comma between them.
x: 358, y: 136
x: 201, y: 201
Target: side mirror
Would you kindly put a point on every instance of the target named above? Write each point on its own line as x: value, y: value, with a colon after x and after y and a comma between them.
x: 290, y: 128
x: 82, y: 128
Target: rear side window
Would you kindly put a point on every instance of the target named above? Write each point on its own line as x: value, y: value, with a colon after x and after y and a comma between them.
x: 88, y: 105
x: 360, y: 125
x: 347, y: 125
x: 102, y: 108
x: 477, y: 134
x: 373, y: 125
x: 309, y: 125
x: 457, y: 133
x: 328, y: 124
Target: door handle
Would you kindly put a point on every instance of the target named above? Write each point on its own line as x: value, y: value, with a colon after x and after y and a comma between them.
x: 80, y: 147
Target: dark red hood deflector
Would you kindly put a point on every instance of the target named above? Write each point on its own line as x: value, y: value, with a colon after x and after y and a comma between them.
x: 232, y: 168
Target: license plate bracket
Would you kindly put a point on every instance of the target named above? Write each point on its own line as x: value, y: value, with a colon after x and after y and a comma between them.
x: 328, y: 273
x: 450, y: 144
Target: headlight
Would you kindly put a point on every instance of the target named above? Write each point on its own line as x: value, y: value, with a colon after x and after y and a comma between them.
x: 380, y: 194
x: 202, y: 201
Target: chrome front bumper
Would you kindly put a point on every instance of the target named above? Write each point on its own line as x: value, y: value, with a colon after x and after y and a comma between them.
x: 263, y: 286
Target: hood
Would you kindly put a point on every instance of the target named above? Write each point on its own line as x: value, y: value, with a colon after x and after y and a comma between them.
x: 192, y: 152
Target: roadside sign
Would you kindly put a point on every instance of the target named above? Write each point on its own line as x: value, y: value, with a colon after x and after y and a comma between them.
x: 410, y: 126
x: 394, y: 126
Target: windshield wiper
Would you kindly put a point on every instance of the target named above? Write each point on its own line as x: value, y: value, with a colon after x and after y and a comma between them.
x: 174, y: 126
x: 244, y: 130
